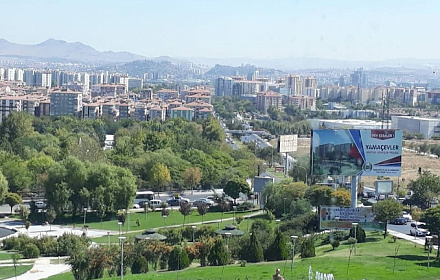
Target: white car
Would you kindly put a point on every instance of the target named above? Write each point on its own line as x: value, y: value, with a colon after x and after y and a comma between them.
x: 418, y: 229
x: 155, y: 203
x: 40, y: 204
x: 136, y: 206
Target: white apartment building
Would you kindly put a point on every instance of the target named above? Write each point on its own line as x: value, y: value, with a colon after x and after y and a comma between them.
x: 427, y: 126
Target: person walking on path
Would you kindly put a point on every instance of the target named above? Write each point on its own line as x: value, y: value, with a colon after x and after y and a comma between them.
x: 277, y: 275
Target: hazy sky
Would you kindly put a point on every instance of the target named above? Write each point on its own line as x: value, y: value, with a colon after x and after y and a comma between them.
x: 338, y: 29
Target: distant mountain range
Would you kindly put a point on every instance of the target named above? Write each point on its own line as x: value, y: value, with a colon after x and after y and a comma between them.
x: 63, y: 51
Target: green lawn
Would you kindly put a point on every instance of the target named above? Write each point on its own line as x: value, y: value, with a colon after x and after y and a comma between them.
x: 374, y: 260
x: 9, y: 271
x: 5, y: 255
x: 154, y: 220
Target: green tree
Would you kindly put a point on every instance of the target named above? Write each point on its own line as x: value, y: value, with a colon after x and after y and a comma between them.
x: 432, y: 218
x: 3, y: 187
x: 218, y: 255
x: 192, y: 177
x: 31, y: 251
x: 18, y: 176
x: 387, y: 210
x: 252, y: 251
x: 50, y: 216
x: 160, y: 176
x: 178, y: 259
x: 155, y: 141
x: 212, y: 130
x: 39, y: 167
x: 16, y: 125
x: 277, y: 251
x: 319, y: 195
x: 140, y: 265
x: 13, y: 199
x: 425, y: 189
x: 307, y: 247
x: 236, y: 186
x: 360, y: 234
x: 79, y: 262
x: 23, y: 212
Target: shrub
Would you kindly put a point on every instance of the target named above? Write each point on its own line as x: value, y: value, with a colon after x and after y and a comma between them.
x: 69, y: 243
x: 238, y: 219
x: 178, y: 259
x: 218, y: 255
x: 307, y: 247
x: 252, y: 251
x: 277, y: 250
x: 140, y: 265
x: 335, y: 244
x: 360, y: 234
x: 31, y: 251
x: 245, y: 206
x: 47, y: 245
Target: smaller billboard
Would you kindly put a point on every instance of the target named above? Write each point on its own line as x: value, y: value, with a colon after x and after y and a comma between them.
x: 332, y: 217
x: 287, y: 143
x: 384, y: 187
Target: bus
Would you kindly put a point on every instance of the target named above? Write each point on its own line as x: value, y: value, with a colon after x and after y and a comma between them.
x: 143, y: 196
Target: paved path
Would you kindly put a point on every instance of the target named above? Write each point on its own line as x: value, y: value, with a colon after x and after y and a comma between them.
x: 43, y: 269
x: 417, y: 240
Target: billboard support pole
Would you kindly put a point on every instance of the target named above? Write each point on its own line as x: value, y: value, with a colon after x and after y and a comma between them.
x: 354, y: 184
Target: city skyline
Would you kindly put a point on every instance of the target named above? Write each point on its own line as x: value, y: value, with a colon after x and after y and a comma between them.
x: 340, y: 30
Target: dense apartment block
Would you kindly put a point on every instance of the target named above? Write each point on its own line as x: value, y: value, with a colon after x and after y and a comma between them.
x: 65, y: 102
x: 265, y: 100
x: 109, y: 90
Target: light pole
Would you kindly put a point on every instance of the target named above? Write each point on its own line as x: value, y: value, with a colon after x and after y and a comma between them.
x: 121, y: 239
x: 429, y: 239
x: 294, y: 238
x: 355, y: 236
x: 247, y: 223
x: 234, y: 207
x: 164, y: 217
x: 278, y: 223
x: 227, y: 240
x: 108, y: 237
x: 120, y: 224
x: 194, y: 228
x: 58, y: 253
x: 85, y: 213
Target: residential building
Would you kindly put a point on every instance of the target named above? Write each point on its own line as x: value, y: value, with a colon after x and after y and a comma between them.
x: 157, y: 112
x: 182, y: 112
x: 268, y: 99
x: 223, y: 86
x: 301, y: 101
x: 109, y: 90
x: 166, y: 94
x: 65, y: 102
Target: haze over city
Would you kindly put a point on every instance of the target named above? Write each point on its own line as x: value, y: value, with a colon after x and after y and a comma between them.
x: 342, y: 30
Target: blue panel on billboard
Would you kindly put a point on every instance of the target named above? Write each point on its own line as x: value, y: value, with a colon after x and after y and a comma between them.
x: 350, y: 152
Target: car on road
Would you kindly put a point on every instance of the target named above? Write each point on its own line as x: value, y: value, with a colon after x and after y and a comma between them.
x: 177, y: 201
x: 399, y: 221
x: 40, y: 204
x: 418, y: 229
x: 202, y: 201
x: 407, y: 216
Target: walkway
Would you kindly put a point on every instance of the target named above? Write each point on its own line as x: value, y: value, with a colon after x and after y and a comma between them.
x: 43, y: 268
x: 417, y: 240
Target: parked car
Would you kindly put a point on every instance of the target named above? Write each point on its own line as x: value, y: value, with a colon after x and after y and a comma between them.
x: 136, y: 206
x: 399, y: 221
x: 155, y: 203
x: 418, y: 229
x: 143, y: 203
x: 203, y: 201
x: 40, y: 204
x: 407, y: 216
x: 177, y: 201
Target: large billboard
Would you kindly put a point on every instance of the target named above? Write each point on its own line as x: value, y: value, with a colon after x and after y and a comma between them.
x: 349, y: 152
x: 331, y: 217
x: 287, y: 143
x: 384, y: 187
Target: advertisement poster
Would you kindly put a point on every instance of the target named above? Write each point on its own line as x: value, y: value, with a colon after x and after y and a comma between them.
x: 350, y: 152
x: 331, y: 217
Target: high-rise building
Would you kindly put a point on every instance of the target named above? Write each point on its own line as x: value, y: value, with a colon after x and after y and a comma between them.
x: 268, y: 99
x: 29, y: 77
x: 223, y: 86
x: 65, y: 103
x: 292, y: 85
x: 19, y: 75
x: 43, y: 79
x: 359, y: 78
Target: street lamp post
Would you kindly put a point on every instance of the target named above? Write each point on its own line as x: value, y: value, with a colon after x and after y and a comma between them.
x: 193, y: 228
x: 121, y: 239
x: 247, y: 223
x: 164, y: 217
x: 294, y: 238
x: 355, y: 236
x: 58, y: 253
x: 85, y: 213
x: 108, y: 237
x: 120, y: 224
x: 227, y: 240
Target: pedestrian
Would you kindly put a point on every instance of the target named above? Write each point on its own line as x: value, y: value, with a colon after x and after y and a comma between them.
x: 277, y: 275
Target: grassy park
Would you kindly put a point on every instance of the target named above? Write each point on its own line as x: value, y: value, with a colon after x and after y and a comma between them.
x: 375, y: 259
x: 9, y: 271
